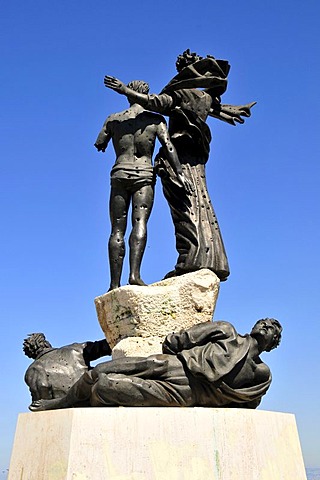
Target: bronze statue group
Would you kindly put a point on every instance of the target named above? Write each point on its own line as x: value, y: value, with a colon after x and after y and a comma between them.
x: 188, y: 99
x: 210, y: 364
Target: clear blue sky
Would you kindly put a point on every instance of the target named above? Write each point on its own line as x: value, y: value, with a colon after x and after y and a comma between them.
x: 263, y: 176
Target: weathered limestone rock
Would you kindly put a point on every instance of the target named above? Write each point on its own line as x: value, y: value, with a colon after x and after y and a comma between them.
x: 149, y: 313
x: 137, y: 346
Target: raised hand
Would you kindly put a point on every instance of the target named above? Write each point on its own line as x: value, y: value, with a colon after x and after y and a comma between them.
x: 115, y: 84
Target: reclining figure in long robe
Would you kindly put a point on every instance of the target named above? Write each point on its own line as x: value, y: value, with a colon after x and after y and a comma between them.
x: 209, y: 365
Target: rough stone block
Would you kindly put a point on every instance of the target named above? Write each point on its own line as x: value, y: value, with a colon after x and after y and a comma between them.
x: 153, y: 311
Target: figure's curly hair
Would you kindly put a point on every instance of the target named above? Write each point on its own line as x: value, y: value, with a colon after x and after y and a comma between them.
x: 277, y: 336
x: 186, y: 58
x: 139, y: 86
x: 34, y: 344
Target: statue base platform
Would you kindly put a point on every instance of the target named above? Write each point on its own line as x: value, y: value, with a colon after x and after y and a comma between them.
x: 156, y: 444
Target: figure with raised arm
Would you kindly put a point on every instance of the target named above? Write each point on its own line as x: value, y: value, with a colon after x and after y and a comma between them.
x: 208, y: 365
x: 134, y: 132
x: 193, y: 94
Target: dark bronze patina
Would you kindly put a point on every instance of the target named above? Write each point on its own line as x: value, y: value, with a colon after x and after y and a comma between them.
x: 209, y: 365
x: 188, y: 99
x: 134, y: 132
x: 55, y: 370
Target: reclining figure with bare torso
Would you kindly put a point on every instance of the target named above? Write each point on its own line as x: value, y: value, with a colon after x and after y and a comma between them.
x: 209, y: 365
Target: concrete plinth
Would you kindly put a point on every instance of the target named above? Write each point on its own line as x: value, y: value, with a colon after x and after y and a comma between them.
x: 156, y: 444
x: 136, y: 319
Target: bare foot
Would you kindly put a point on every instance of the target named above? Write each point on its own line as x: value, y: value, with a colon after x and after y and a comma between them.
x: 113, y: 287
x: 136, y: 281
x: 40, y: 405
x: 170, y: 274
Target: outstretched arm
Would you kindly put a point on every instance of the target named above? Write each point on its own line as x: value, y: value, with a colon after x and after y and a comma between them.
x: 156, y: 103
x: 172, y: 157
x: 120, y: 87
x: 94, y: 350
x: 104, y: 137
x: 200, y: 334
x: 231, y: 113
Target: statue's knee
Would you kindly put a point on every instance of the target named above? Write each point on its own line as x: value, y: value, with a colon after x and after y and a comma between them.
x: 95, y: 372
x: 87, y: 377
x: 138, y: 236
x: 99, y: 394
x: 116, y: 240
x: 100, y: 369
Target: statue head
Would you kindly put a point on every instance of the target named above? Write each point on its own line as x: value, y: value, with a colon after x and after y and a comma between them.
x: 34, y: 344
x: 139, y: 86
x: 186, y: 58
x: 267, y: 332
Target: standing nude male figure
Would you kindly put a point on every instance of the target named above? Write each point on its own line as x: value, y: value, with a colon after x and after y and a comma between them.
x: 133, y: 132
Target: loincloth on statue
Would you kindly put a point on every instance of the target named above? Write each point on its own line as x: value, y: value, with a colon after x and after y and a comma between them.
x: 132, y: 178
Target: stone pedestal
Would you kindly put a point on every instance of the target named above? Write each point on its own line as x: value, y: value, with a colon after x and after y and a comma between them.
x: 156, y: 444
x: 136, y: 319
